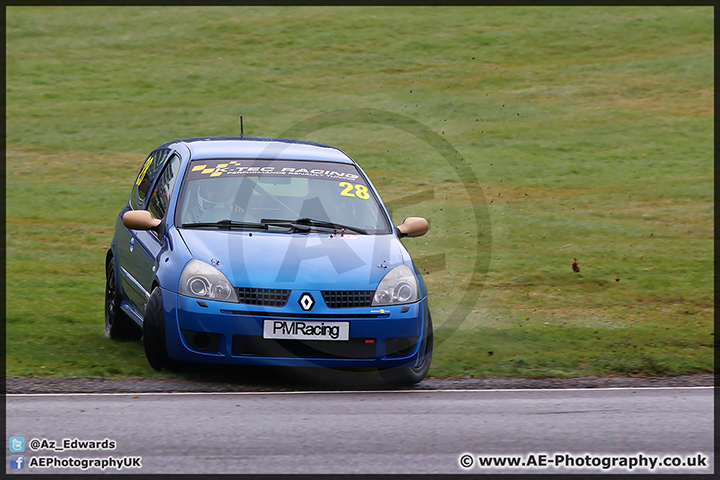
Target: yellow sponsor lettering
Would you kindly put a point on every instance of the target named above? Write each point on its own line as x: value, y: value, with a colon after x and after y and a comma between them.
x: 144, y: 170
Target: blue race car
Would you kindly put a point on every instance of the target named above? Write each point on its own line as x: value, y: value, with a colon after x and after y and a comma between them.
x: 259, y: 251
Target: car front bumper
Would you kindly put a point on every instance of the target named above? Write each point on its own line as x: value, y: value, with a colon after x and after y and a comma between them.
x: 232, y: 333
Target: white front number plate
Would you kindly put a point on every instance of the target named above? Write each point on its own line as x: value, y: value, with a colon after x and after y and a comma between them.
x: 303, y: 330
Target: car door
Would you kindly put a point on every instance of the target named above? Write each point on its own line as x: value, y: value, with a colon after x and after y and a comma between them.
x: 138, y: 253
x: 149, y: 242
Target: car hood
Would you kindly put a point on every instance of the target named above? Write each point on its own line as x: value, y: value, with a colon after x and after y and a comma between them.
x: 297, y: 261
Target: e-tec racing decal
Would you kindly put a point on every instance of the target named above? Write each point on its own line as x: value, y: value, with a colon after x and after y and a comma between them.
x: 276, y: 168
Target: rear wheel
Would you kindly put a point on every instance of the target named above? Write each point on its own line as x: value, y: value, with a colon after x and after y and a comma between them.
x: 403, y: 376
x: 118, y: 325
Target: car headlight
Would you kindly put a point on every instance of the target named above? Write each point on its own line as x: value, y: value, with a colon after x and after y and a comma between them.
x: 397, y: 287
x: 200, y: 280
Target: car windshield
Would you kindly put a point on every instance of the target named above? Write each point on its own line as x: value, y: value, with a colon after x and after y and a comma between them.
x: 282, y: 194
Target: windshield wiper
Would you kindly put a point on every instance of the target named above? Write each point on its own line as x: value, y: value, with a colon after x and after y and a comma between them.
x: 312, y: 223
x: 227, y: 223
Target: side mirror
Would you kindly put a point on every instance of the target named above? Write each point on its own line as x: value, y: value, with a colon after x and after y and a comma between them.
x: 140, y: 220
x: 413, y: 227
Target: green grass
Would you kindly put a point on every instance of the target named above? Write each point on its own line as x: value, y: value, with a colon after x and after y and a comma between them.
x: 589, y: 131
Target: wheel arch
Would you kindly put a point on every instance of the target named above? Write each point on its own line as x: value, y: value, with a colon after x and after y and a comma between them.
x: 109, y: 257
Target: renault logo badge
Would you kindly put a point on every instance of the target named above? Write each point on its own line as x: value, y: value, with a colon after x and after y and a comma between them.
x: 306, y: 302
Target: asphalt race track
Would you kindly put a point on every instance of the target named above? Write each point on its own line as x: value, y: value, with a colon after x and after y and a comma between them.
x: 412, y: 431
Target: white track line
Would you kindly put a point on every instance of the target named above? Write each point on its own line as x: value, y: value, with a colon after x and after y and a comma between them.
x: 317, y: 392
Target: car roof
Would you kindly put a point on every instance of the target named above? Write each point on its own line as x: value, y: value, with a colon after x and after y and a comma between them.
x: 259, y: 147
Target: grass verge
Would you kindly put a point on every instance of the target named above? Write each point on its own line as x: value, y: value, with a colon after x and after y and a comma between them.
x: 589, y: 129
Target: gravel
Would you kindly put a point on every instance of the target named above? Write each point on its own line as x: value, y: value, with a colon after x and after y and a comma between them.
x: 279, y: 380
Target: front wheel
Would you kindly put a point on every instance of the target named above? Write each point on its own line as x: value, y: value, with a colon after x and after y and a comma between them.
x: 404, y: 376
x: 154, y: 332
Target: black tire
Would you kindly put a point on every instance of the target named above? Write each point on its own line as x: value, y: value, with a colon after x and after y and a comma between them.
x: 118, y: 325
x: 154, y: 332
x: 404, y: 376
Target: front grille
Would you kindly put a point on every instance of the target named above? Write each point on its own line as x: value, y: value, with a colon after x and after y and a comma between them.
x: 263, y: 347
x: 268, y: 297
x: 348, y: 298
x: 309, y: 316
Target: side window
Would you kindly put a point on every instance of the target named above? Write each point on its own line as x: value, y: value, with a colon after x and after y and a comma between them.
x: 146, y: 176
x: 160, y: 197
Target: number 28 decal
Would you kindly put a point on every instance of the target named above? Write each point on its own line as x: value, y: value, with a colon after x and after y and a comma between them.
x: 350, y: 190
